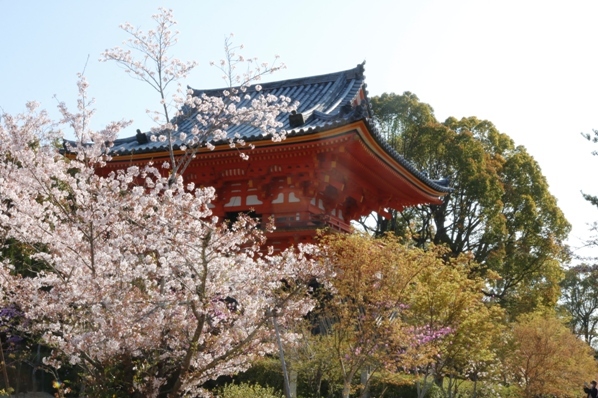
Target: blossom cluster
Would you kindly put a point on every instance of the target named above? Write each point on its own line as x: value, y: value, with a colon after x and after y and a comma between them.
x: 134, y: 266
x: 134, y: 263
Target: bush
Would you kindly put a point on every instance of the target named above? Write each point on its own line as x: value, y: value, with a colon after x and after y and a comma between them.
x: 265, y: 372
x: 435, y: 392
x: 392, y: 390
x: 246, y: 390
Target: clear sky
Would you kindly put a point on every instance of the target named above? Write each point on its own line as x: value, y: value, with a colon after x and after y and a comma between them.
x: 528, y: 66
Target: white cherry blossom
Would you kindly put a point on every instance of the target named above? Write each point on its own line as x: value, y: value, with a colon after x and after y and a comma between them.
x: 134, y: 268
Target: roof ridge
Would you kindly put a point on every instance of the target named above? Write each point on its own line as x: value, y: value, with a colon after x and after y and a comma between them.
x: 356, y: 72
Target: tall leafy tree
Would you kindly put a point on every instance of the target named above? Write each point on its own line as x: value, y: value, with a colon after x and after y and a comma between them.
x: 500, y: 210
x: 580, y: 300
x: 593, y: 199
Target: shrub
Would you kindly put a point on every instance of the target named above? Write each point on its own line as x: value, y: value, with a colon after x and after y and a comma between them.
x: 246, y: 390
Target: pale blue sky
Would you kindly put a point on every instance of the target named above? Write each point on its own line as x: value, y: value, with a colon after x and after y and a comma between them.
x: 530, y: 67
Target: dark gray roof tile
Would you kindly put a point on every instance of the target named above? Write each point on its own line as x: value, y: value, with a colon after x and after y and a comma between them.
x: 325, y: 102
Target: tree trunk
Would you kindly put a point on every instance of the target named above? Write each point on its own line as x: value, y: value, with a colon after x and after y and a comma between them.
x: 365, y: 378
x: 346, y: 389
x: 347, y: 384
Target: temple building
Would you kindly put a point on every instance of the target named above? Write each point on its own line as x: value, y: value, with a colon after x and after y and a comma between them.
x: 332, y: 168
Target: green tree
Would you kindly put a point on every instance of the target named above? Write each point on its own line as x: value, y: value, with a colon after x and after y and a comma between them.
x: 500, y: 210
x: 593, y: 199
x: 579, y: 299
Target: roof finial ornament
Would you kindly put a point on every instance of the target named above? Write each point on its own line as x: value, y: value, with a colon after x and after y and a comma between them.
x: 361, y: 69
x: 296, y: 119
x: 141, y: 138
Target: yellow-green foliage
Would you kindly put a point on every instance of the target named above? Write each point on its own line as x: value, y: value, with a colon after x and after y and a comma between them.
x: 246, y: 390
x: 391, y: 305
x: 449, y: 297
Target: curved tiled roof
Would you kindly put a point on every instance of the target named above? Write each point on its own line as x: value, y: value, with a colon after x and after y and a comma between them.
x: 325, y: 102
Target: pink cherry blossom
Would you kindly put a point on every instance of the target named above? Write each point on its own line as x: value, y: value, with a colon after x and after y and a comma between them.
x: 134, y: 263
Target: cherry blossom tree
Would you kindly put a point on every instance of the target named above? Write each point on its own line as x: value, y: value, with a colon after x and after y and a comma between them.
x: 140, y: 286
